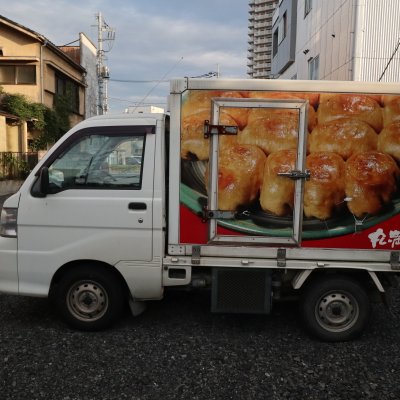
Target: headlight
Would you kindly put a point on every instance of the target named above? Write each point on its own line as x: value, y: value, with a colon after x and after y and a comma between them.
x: 8, y: 222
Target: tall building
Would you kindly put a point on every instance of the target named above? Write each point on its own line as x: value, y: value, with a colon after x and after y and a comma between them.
x: 336, y: 40
x: 260, y: 38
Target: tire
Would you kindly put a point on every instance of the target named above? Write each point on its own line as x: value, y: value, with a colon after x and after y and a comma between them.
x: 335, y: 308
x: 89, y: 298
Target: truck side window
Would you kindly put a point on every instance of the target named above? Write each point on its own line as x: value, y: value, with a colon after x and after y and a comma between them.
x: 99, y: 162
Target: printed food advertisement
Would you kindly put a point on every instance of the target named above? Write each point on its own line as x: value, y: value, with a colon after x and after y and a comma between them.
x: 351, y: 198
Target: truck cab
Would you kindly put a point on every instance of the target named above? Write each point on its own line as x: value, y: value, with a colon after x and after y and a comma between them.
x: 87, y: 206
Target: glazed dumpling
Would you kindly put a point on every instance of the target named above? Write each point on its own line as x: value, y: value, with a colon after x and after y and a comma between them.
x: 277, y: 192
x: 324, y: 191
x: 370, y: 182
x: 343, y: 136
x: 240, y: 173
x: 193, y: 144
x: 391, y: 110
x: 389, y: 140
x: 362, y: 107
x: 272, y: 131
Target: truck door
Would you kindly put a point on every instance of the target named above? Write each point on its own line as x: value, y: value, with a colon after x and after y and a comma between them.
x: 99, y: 204
x: 256, y: 175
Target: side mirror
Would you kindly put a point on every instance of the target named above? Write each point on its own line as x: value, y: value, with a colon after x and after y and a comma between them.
x: 44, y: 181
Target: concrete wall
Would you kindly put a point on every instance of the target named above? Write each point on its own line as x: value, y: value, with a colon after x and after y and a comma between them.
x: 8, y: 187
x: 354, y: 40
x: 89, y: 62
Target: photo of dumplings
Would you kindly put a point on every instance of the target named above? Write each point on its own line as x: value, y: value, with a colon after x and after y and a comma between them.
x: 362, y: 107
x: 324, y: 191
x: 343, y: 136
x: 193, y: 144
x: 370, y: 182
x: 391, y: 110
x: 310, y: 97
x: 272, y: 130
x: 351, y: 154
x: 389, y: 140
x: 239, y: 182
x: 277, y: 192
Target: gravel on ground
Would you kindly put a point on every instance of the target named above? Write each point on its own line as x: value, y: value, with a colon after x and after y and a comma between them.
x: 177, y: 349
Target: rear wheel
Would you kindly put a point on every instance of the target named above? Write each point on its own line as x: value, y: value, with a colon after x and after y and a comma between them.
x: 89, y: 297
x: 335, y: 308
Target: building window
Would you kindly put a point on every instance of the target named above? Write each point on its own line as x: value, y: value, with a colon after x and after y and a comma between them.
x: 18, y: 74
x: 307, y: 7
x: 313, y: 68
x: 282, y: 31
x: 275, y: 42
x: 68, y: 89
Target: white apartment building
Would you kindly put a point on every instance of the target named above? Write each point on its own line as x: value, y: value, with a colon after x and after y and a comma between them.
x: 337, y: 40
x: 260, y: 38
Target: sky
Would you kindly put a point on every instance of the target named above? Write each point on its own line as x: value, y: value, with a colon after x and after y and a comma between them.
x: 154, y: 39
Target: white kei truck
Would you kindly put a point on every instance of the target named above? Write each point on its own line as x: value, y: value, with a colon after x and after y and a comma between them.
x: 255, y: 190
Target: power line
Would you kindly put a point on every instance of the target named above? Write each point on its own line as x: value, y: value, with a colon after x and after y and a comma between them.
x: 139, y: 81
x: 135, y: 102
x: 390, y: 60
x: 211, y: 74
x: 68, y: 44
x: 158, y: 82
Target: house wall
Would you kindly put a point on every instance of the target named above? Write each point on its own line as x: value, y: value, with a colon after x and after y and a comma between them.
x: 12, y: 138
x: 3, y: 134
x: 21, y: 46
x: 53, y: 64
x: 88, y: 58
x: 284, y: 36
x: 18, y: 47
x: 378, y: 28
x: 326, y: 31
x: 354, y: 40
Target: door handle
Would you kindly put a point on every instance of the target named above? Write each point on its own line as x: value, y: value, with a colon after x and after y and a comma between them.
x: 137, y: 206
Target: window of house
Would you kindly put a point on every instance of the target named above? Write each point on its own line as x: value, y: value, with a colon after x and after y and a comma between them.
x: 68, y: 89
x: 313, y: 68
x: 307, y: 6
x: 18, y: 74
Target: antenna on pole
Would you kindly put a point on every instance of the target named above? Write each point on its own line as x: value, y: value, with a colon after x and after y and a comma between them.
x: 105, y: 34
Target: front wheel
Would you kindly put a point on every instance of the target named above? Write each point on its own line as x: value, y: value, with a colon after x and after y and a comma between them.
x: 335, y: 308
x: 89, y: 298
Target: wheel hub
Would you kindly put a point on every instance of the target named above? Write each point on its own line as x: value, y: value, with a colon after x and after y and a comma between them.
x: 336, y: 311
x: 87, y: 300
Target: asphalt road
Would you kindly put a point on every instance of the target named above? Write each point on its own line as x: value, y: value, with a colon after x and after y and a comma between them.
x: 177, y: 349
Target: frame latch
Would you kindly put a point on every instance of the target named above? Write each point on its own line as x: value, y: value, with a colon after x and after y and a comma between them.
x: 224, y: 214
x: 296, y: 174
x: 218, y: 129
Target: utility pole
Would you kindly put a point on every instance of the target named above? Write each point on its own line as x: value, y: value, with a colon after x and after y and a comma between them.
x: 105, y: 34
